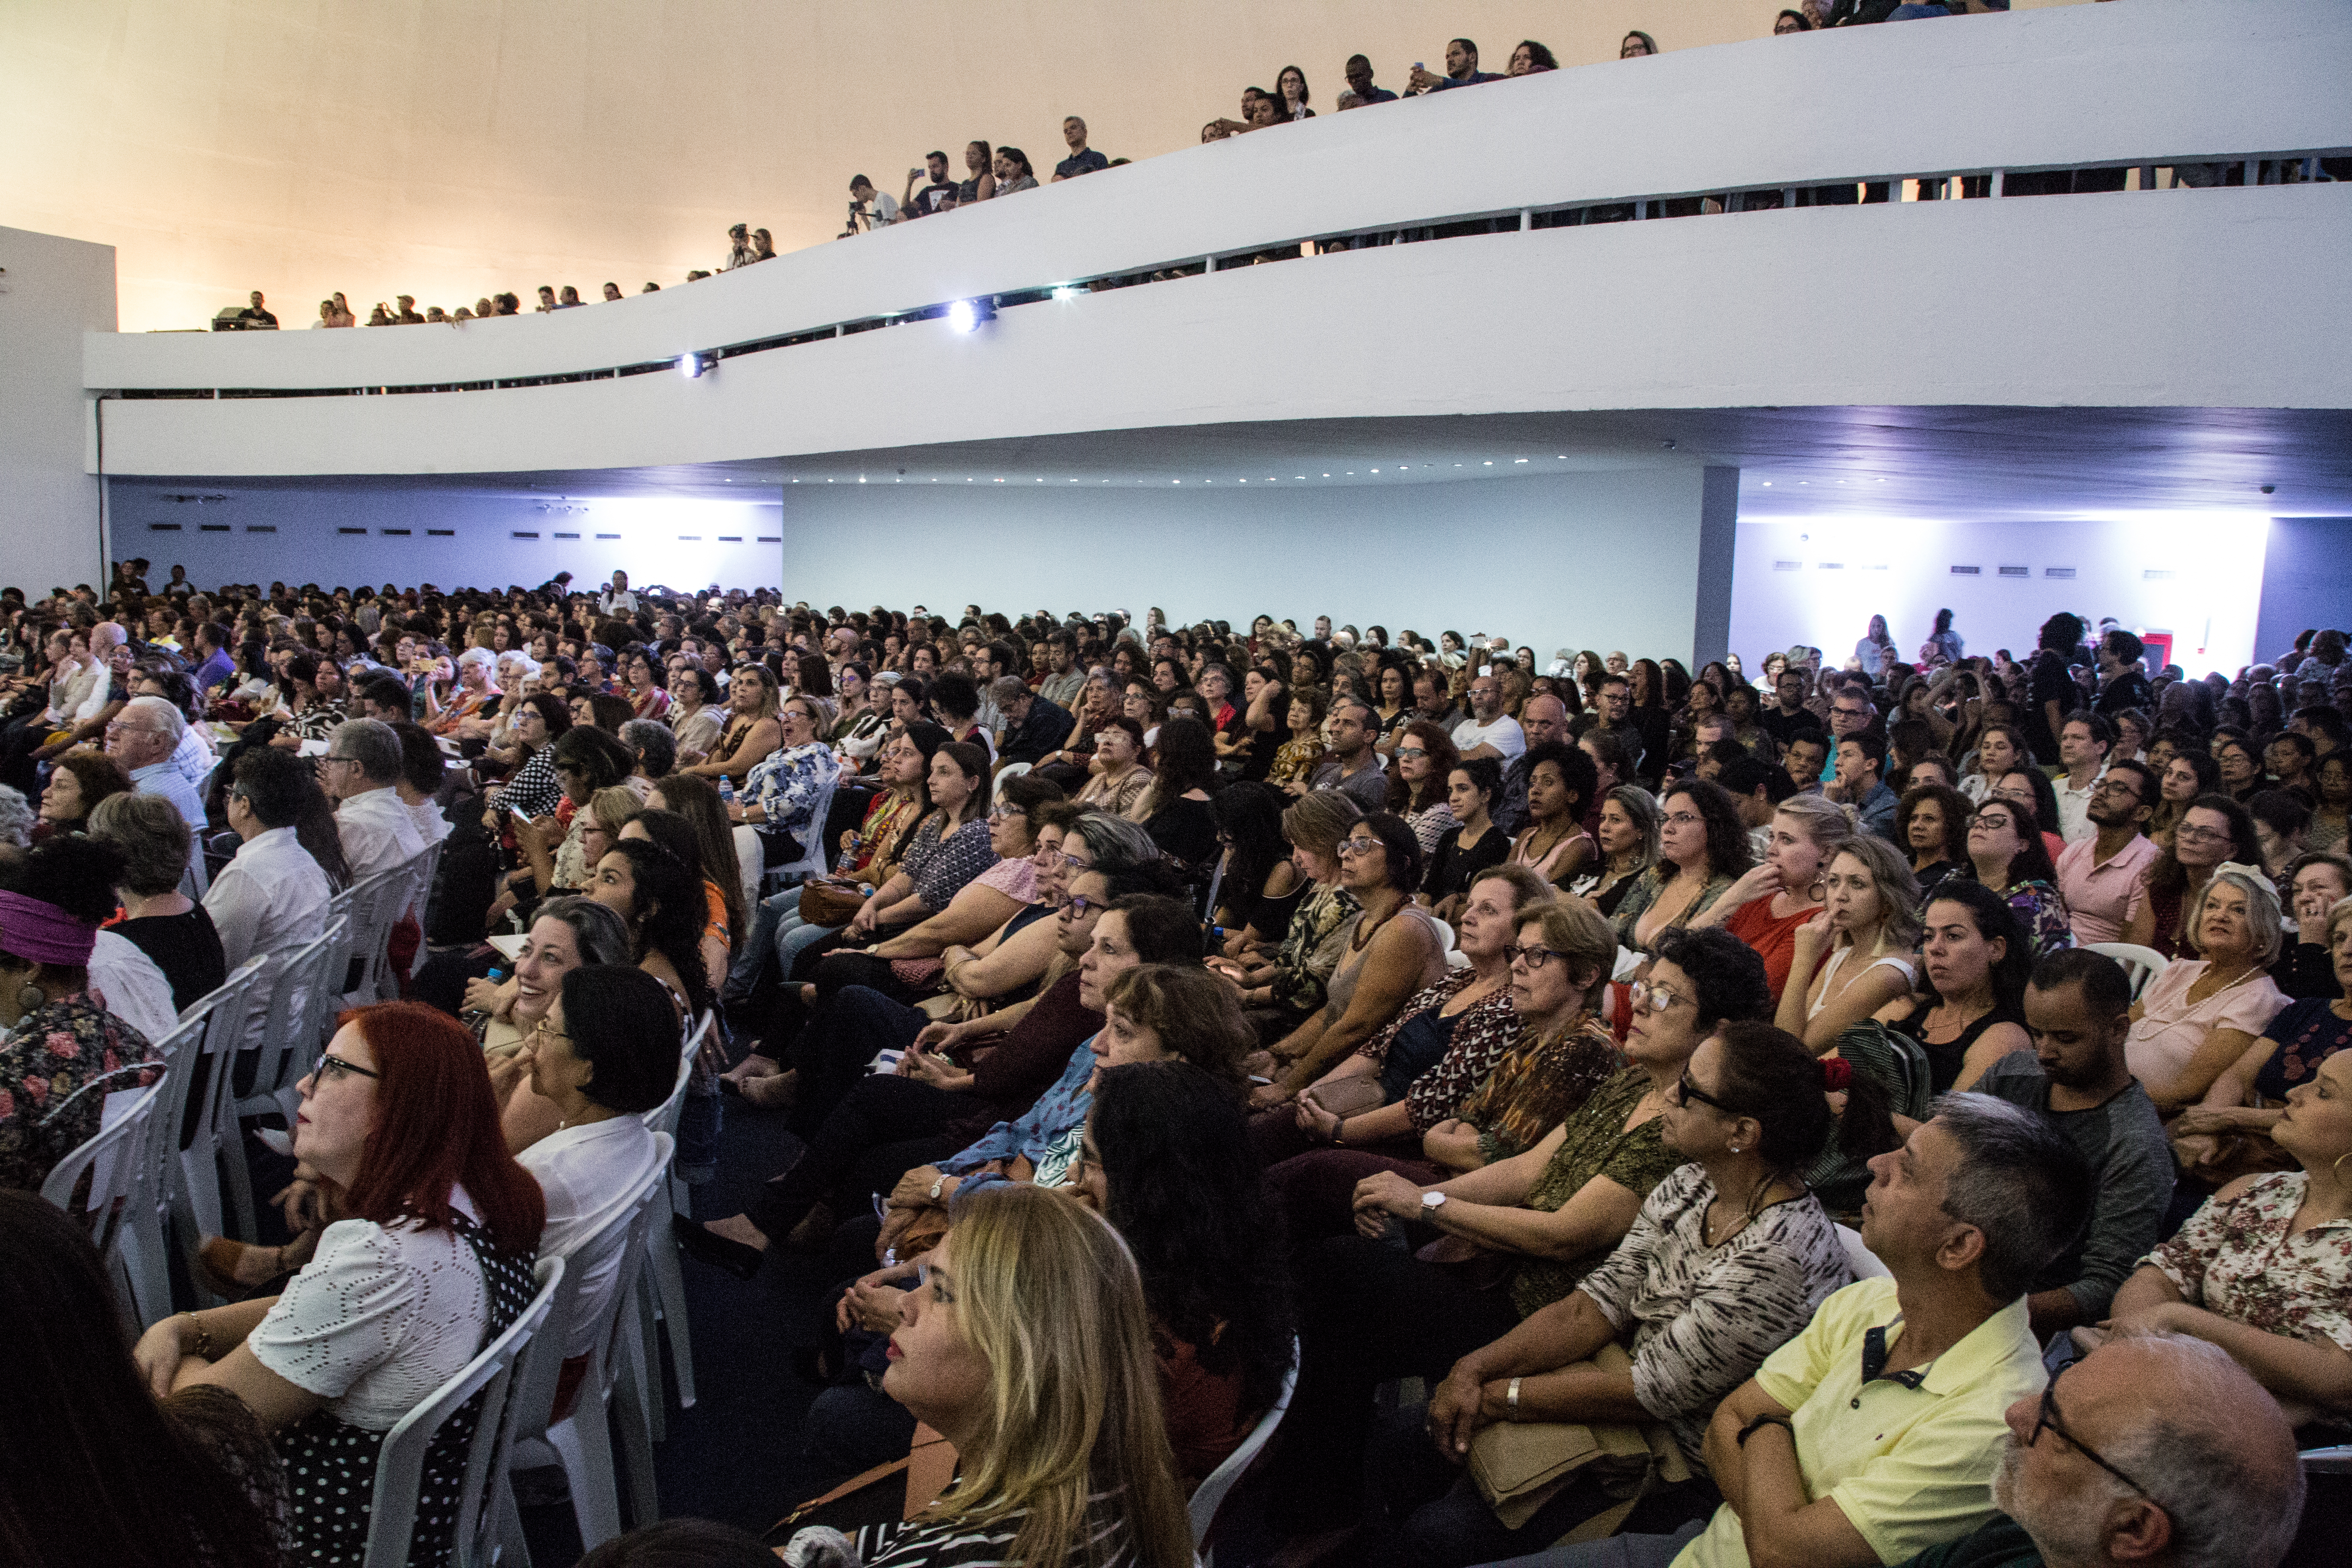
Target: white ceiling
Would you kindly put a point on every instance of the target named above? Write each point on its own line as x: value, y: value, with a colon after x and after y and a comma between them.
x: 1947, y: 463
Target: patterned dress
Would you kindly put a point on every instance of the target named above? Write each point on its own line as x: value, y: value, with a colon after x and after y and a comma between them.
x: 1537, y: 1084
x: 2236, y: 1260
x: 1598, y: 1143
x: 55, y: 1053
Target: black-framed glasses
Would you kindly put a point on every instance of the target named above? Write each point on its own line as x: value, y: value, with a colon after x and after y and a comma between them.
x: 330, y: 1066
x: 2050, y: 1419
x: 1688, y: 1092
x: 1079, y: 904
x: 1535, y: 957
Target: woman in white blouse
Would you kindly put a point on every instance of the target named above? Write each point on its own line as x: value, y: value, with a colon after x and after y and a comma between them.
x: 604, y: 1054
x: 430, y: 1258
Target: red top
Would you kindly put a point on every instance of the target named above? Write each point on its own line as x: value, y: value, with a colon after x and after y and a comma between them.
x: 1775, y: 941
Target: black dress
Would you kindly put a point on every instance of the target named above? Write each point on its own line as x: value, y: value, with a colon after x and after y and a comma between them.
x: 331, y: 1463
x: 1944, y: 1061
x: 185, y: 947
x: 1451, y: 866
x: 1185, y: 831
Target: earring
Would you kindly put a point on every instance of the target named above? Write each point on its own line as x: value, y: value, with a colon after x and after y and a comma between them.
x: 31, y: 998
x: 1735, y: 1148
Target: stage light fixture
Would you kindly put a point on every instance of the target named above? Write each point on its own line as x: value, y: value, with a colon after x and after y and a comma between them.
x: 966, y: 315
x: 690, y: 365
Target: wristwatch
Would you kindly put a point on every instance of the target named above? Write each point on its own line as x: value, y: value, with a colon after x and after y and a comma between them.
x: 1511, y: 1399
x: 1432, y: 1201
x: 936, y: 1186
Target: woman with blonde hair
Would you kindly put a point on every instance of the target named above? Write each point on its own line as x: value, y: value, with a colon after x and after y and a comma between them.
x: 1859, y: 954
x: 1028, y: 1346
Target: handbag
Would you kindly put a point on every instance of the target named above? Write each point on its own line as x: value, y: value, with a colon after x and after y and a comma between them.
x: 1349, y: 1097
x: 829, y: 904
x: 1520, y: 1465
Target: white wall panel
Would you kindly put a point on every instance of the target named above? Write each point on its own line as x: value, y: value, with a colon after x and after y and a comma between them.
x: 1819, y: 581
x: 52, y: 292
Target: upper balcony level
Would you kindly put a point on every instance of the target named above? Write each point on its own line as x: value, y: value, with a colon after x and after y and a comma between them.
x: 1472, y: 261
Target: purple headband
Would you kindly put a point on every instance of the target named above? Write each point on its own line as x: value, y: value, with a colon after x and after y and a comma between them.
x: 35, y: 930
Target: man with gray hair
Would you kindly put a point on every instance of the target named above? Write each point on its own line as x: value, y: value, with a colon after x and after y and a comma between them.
x: 2164, y: 1451
x: 363, y: 764
x: 1874, y: 1435
x: 143, y: 737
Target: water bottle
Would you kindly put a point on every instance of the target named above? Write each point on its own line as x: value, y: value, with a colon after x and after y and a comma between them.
x: 726, y: 789
x: 473, y: 1017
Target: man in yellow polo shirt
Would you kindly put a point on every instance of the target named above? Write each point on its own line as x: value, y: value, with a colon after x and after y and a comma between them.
x: 1874, y: 1434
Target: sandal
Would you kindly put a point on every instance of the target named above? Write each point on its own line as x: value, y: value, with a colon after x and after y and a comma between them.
x: 771, y: 1091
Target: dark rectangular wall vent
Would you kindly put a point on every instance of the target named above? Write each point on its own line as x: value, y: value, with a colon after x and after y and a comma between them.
x: 350, y: 530
x: 164, y: 528
x: 1968, y: 571
x: 212, y: 527
x: 567, y: 536
x: 772, y: 539
x: 440, y: 534
x: 695, y: 537
x: 399, y: 533
x: 1787, y: 566
x: 2066, y: 571
x: 2017, y: 571
x: 261, y: 527
x: 730, y: 539
x: 1833, y: 565
x: 522, y: 533
x: 608, y: 536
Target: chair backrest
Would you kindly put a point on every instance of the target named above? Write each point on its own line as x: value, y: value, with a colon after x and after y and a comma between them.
x: 112, y: 1160
x: 663, y: 1118
x: 299, y: 1005
x: 181, y: 1069
x: 376, y: 906
x: 400, y: 1462
x: 2142, y: 964
x: 1859, y: 1257
x: 1211, y: 1496
x: 1008, y: 771
x: 210, y: 1123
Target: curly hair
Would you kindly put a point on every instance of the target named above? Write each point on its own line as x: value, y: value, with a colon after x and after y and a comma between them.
x: 1728, y: 854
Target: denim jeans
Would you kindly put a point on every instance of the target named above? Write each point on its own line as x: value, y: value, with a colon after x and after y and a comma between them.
x: 777, y: 928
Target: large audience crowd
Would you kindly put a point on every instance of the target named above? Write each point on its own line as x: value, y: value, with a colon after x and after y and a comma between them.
x: 990, y: 172
x: 1653, y: 1115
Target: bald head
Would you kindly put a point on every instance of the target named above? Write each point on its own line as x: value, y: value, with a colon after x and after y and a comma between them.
x: 1544, y: 718
x: 2211, y: 1460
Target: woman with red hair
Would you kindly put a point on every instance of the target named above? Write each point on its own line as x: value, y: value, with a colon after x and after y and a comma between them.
x: 428, y: 1258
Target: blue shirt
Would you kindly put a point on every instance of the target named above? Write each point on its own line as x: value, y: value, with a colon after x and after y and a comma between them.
x: 214, y: 670
x: 1876, y: 810
x: 165, y: 779
x: 1058, y: 1109
x: 1085, y: 163
x: 1473, y: 79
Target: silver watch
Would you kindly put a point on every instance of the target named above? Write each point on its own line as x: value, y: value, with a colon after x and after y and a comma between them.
x: 1433, y: 1201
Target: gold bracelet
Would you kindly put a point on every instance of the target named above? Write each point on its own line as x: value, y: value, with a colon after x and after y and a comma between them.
x: 203, y: 1350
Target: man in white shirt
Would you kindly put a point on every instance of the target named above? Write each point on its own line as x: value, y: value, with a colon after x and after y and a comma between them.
x: 143, y: 737
x: 617, y: 600
x: 272, y: 897
x: 870, y: 208
x: 1489, y: 731
x: 359, y: 772
x: 2083, y: 742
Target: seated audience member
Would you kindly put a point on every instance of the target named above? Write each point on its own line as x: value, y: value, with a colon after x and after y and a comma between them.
x: 1860, y: 782
x: 141, y: 740
x: 604, y: 1054
x: 1974, y: 964
x: 2198, y: 1015
x: 1422, y: 764
x: 1029, y: 1346
x: 695, y: 803
x: 2076, y: 1078
x: 751, y: 731
x: 1390, y: 949
x: 1932, y: 825
x: 1489, y: 731
x: 361, y: 766
x: 1830, y: 1454
x: 1259, y: 886
x: 1177, y: 809
x: 206, y: 1488
x: 2260, y: 1269
x: 2212, y: 829
x: 1729, y: 1258
x: 1033, y: 727
x: 422, y: 772
x: 1299, y: 756
x: 61, y: 1038
x: 2165, y: 1451
x: 2005, y: 855
x: 1561, y: 784
x: 1441, y: 1045
x: 77, y: 784
x: 1702, y: 853
x: 2314, y: 885
x: 1627, y: 839
x: 2281, y: 826
x: 1473, y: 843
x: 566, y: 932
x: 271, y: 898
x: 948, y: 850
x: 2187, y: 772
x: 1287, y: 987
x: 164, y: 922
x: 1858, y: 955
x: 1352, y: 767
x: 2103, y: 875
x: 1116, y: 777
x: 438, y: 1230
x: 780, y: 792
x: 1779, y: 895
x: 1371, y: 1311
x: 2331, y: 819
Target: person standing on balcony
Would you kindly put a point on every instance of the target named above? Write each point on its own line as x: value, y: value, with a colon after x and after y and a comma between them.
x: 1083, y: 159
x: 1461, y: 70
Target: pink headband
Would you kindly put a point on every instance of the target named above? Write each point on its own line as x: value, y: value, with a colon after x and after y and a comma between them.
x: 43, y: 933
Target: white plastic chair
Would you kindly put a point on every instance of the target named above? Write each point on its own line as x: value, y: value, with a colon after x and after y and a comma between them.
x: 1859, y: 1257
x: 400, y: 1462
x: 2142, y: 964
x: 1007, y: 771
x: 581, y: 1441
x: 376, y: 907
x: 812, y: 859
x: 661, y: 1288
x: 303, y: 990
x: 128, y: 1233
x: 1211, y: 1496
x: 213, y: 1027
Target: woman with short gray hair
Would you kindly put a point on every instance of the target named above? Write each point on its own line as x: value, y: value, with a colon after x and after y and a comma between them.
x: 159, y: 919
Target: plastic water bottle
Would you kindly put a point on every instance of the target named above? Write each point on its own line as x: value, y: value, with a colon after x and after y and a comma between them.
x: 726, y: 789
x: 477, y: 1014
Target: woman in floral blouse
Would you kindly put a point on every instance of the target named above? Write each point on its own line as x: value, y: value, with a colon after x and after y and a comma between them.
x: 2008, y: 858
x: 2265, y: 1270
x: 61, y: 1040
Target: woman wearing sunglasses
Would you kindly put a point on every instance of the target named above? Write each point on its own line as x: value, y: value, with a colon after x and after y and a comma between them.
x: 1728, y: 1261
x: 438, y: 1231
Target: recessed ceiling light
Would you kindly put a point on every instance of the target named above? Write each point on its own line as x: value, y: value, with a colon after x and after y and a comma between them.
x: 1376, y: 470
x: 1490, y: 462
x: 1244, y: 481
x: 1767, y: 484
x: 1518, y: 459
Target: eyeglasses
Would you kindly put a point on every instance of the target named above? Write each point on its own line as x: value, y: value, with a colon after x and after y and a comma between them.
x: 1649, y: 998
x: 1079, y: 904
x: 1535, y: 957
x: 1404, y: 751
x: 1004, y: 813
x: 1360, y: 845
x: 2116, y: 786
x: 330, y: 1068
x: 2199, y: 835
x: 2050, y: 1420
x: 1686, y: 1092
x: 1682, y: 820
